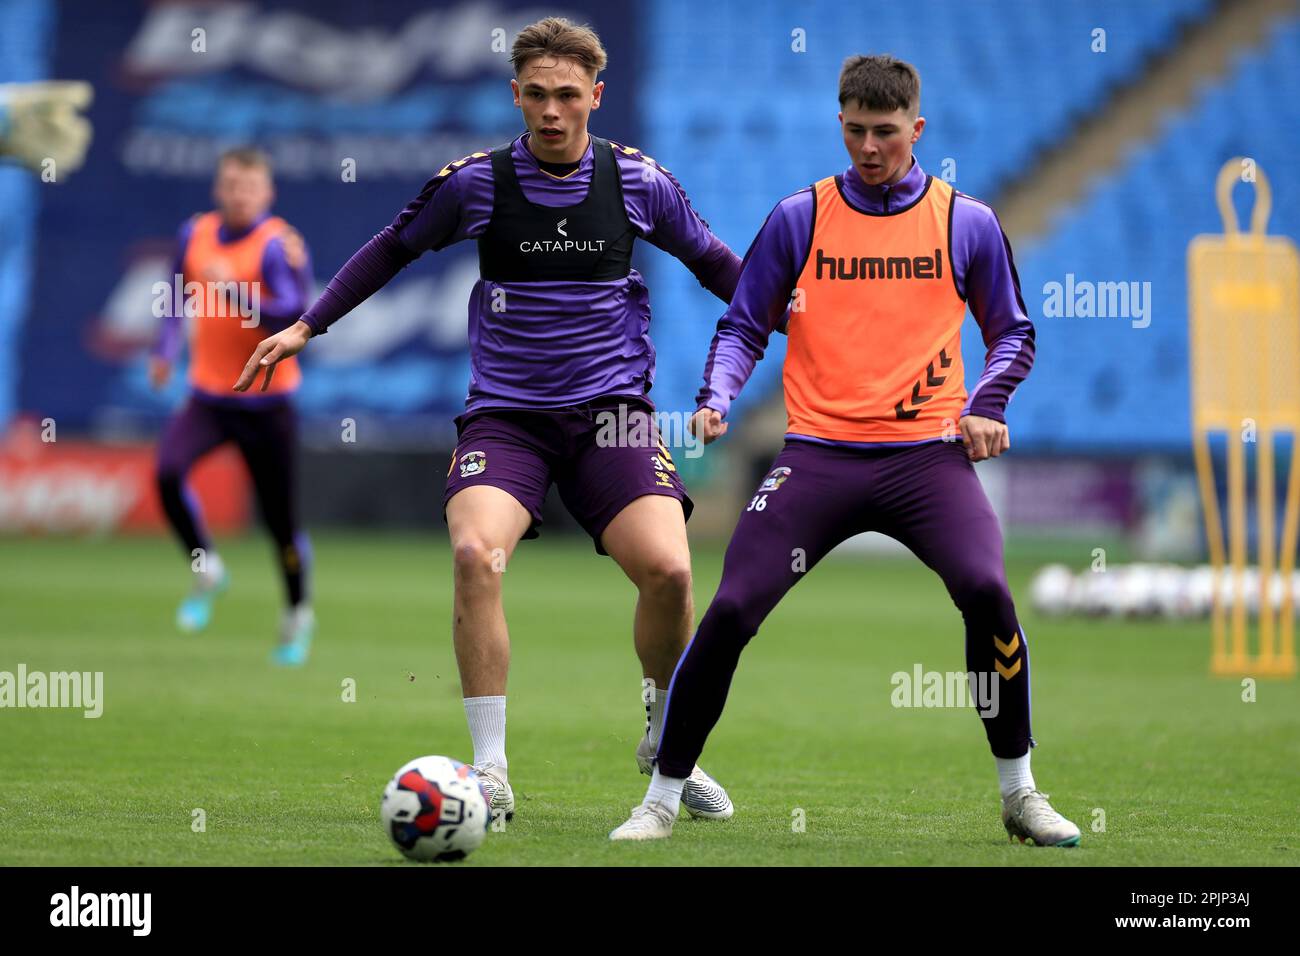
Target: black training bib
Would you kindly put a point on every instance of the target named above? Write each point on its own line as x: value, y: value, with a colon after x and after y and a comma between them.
x: 588, y: 242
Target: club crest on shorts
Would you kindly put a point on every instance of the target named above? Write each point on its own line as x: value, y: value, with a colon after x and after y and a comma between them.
x: 775, y: 479
x: 473, y: 463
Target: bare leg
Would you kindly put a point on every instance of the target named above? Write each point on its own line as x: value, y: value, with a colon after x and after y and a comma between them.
x: 648, y: 540
x: 485, y: 524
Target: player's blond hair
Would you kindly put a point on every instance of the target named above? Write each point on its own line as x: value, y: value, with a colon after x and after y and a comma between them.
x: 881, y: 83
x: 250, y: 157
x: 557, y: 37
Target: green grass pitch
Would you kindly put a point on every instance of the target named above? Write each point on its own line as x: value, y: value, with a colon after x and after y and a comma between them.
x: 1129, y: 724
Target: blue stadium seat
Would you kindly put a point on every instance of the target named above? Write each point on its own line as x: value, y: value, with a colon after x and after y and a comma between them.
x: 1002, y: 81
x: 1128, y: 386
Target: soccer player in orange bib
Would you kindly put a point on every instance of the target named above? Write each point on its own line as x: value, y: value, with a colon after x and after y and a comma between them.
x: 878, y: 265
x: 243, y: 273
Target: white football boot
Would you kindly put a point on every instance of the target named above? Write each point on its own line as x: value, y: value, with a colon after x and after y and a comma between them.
x: 1027, y: 814
x: 702, y: 796
x: 648, y: 822
x: 501, y: 799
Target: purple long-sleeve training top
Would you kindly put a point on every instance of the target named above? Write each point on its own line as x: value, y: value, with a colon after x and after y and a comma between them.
x: 982, y: 262
x: 542, y: 344
x: 284, y: 288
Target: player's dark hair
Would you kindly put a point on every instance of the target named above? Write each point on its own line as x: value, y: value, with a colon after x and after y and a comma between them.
x: 881, y: 83
x: 250, y: 157
x: 557, y: 37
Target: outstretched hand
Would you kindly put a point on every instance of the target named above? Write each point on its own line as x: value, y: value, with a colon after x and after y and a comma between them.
x: 270, y: 351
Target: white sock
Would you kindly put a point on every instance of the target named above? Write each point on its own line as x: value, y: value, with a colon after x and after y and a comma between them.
x: 487, y: 728
x: 654, y: 712
x: 213, y: 568
x: 1014, y: 774
x: 665, y: 790
x: 294, y: 617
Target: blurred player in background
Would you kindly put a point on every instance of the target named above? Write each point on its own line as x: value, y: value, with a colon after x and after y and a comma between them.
x: 881, y: 262
x: 559, y: 337
x: 254, y: 275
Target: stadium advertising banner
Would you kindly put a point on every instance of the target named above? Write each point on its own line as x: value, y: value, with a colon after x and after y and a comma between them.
x: 88, y: 487
x: 357, y: 105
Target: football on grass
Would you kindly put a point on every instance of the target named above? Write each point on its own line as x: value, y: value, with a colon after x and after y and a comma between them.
x: 435, y: 810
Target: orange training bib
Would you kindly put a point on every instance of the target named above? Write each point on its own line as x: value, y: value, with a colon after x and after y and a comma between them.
x: 220, y: 344
x: 874, y: 350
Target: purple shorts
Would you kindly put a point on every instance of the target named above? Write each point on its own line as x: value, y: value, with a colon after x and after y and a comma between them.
x: 602, y: 458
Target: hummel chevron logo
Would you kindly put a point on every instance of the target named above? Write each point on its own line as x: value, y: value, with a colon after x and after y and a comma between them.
x: 559, y: 227
x: 1007, y: 672
x: 931, y: 381
x: 1007, y: 649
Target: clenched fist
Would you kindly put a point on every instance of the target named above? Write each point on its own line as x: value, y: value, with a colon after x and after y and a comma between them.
x: 708, y: 425
x: 983, y: 437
